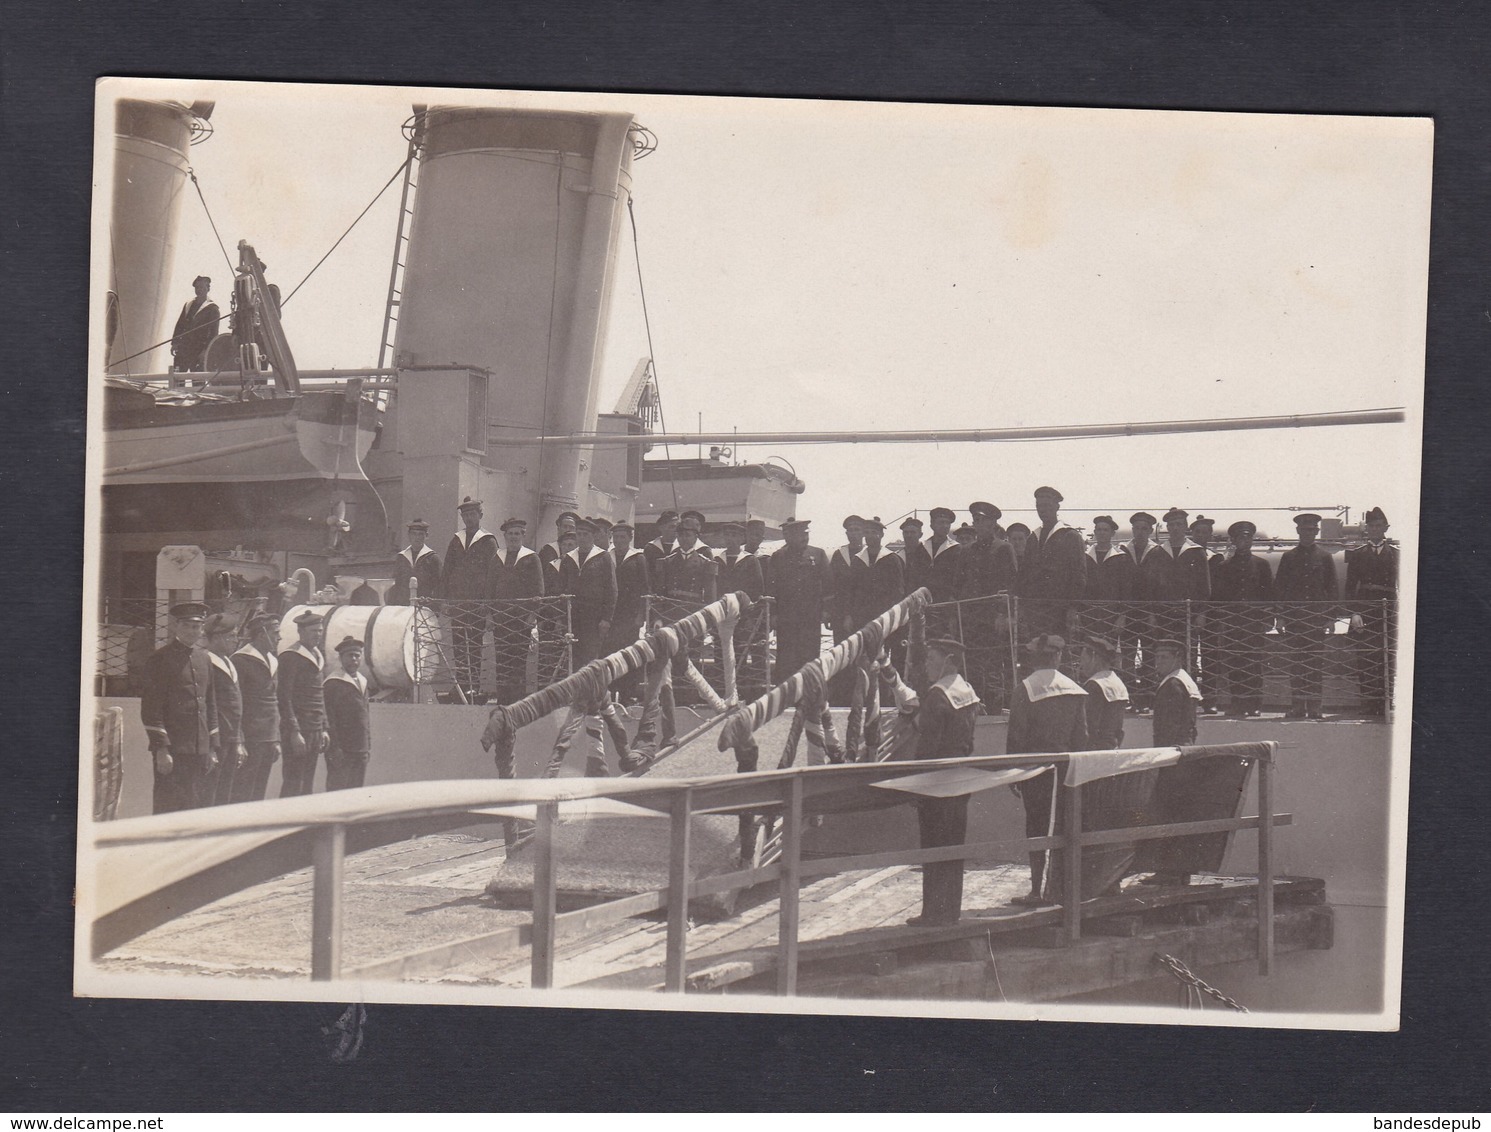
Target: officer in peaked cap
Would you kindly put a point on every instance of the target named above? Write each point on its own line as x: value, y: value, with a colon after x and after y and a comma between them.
x: 1303, y: 583
x: 1372, y: 583
x: 987, y: 569
x: 801, y: 586
x: 660, y: 547
x: 178, y: 707
x: 1246, y: 580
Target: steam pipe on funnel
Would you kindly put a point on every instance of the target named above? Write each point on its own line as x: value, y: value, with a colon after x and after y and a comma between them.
x: 566, y: 466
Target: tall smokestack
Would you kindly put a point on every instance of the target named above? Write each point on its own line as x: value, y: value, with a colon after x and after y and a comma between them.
x: 511, y: 254
x: 151, y: 140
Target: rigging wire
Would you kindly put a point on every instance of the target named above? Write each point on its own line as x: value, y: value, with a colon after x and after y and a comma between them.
x: 192, y: 173
x: 651, y: 355
x: 549, y: 341
x: 396, y: 174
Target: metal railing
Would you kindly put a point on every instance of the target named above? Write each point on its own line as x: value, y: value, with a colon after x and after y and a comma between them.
x: 321, y: 829
x: 497, y: 649
x: 1245, y: 655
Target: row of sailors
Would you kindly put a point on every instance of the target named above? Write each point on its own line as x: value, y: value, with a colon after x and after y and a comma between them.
x: 217, y: 718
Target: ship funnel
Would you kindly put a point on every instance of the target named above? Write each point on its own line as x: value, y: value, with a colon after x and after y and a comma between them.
x: 510, y: 259
x: 151, y: 140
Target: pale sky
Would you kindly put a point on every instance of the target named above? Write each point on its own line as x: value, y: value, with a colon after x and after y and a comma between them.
x: 831, y: 265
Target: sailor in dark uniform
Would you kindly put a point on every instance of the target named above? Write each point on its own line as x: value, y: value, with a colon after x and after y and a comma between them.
x: 553, y: 624
x: 916, y: 559
x: 945, y: 721
x: 1177, y: 571
x: 883, y: 581
x: 1139, y: 637
x: 1107, y: 696
x: 661, y: 544
x: 1207, y: 640
x: 517, y: 577
x: 551, y: 551
x: 466, y: 584
x: 416, y: 561
x: 196, y: 327
x: 348, y: 728
x: 1371, y: 581
x: 220, y: 633
x: 1048, y: 714
x: 1054, y: 572
x: 758, y: 662
x: 988, y: 571
x: 1176, y: 701
x: 802, y: 592
x: 755, y: 535
x: 179, y: 711
x: 1110, y: 583
x: 946, y: 570
x: 590, y: 578
x: 258, y: 668
x: 1306, y: 574
x: 633, y: 585
x: 847, y: 567
x: 740, y: 572
x: 302, y: 668
x: 1241, y: 583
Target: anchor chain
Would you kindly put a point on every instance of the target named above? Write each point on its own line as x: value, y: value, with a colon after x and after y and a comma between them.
x: 1192, y: 981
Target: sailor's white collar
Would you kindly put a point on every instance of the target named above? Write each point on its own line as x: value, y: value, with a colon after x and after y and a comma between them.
x: 1092, y: 552
x: 361, y: 683
x: 315, y: 657
x: 631, y: 553
x: 574, y: 555
x: 413, y: 558
x: 1187, y: 545
x: 268, y: 659
x: 665, y: 547
x: 523, y: 552
x: 222, y: 663
x: 1184, y: 678
x: 847, y: 553
x: 958, y: 691
x: 947, y: 542
x: 476, y: 536
x: 1112, y: 687
x: 864, y: 555
x: 1044, y: 683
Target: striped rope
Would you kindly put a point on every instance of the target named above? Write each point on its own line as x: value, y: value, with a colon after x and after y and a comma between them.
x: 589, y: 684
x: 813, y: 676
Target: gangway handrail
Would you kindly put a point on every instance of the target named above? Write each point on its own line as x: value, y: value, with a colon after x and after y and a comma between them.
x: 315, y: 830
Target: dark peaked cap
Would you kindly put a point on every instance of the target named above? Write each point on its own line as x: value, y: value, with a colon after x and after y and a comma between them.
x: 1375, y: 516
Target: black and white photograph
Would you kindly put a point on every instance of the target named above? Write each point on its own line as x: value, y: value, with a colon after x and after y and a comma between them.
x: 748, y: 554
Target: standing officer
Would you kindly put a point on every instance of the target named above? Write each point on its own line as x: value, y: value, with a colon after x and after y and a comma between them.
x: 179, y: 711
x: 196, y: 327
x: 946, y: 571
x: 1372, y: 577
x: 302, y: 706
x: 417, y: 560
x: 347, y: 725
x: 1242, y: 582
x: 221, y: 636
x: 466, y: 584
x: 517, y: 577
x: 1306, y: 574
x: 988, y: 570
x: 1054, y: 572
x: 802, y: 597
x: 944, y: 730
x: 1206, y: 641
x: 258, y: 667
x: 1048, y: 714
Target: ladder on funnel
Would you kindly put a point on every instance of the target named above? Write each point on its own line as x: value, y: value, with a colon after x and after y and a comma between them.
x: 413, y: 130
